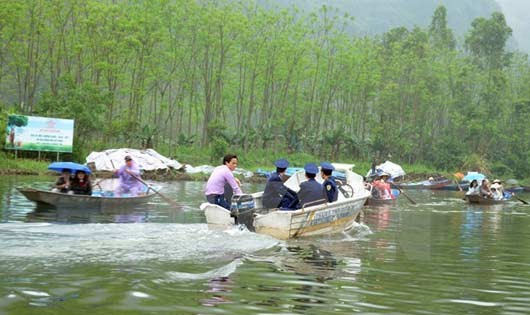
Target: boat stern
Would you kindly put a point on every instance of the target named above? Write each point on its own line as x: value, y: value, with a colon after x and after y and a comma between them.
x: 217, y: 216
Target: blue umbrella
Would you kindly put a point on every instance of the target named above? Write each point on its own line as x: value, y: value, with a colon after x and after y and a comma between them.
x: 74, y: 167
x: 473, y: 175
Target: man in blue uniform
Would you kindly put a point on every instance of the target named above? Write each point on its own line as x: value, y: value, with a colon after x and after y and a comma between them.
x: 276, y: 194
x: 311, y: 190
x: 330, y: 187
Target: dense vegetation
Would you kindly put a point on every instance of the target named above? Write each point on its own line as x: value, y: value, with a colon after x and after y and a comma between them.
x: 184, y: 75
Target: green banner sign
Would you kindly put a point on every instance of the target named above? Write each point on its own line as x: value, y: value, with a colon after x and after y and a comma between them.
x: 39, y: 133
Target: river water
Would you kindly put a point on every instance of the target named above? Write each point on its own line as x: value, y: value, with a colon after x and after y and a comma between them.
x: 440, y: 256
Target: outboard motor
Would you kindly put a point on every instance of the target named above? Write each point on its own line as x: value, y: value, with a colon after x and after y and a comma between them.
x: 242, y: 209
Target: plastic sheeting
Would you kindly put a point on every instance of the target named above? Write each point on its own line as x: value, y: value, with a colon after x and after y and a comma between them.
x: 147, y: 160
x: 208, y: 169
x: 388, y: 167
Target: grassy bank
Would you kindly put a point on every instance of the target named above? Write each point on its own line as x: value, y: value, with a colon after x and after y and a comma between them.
x: 254, y: 160
x: 21, y: 166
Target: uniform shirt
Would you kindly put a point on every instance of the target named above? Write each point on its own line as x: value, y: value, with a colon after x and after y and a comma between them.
x: 274, y: 191
x: 330, y: 189
x: 216, y: 183
x: 311, y: 190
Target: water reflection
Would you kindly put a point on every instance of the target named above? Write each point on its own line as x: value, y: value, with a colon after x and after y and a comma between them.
x: 42, y: 213
x: 219, y: 289
x: 378, y: 216
x: 312, y: 260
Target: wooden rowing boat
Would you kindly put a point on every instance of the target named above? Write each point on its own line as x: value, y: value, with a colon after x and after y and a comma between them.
x: 378, y: 202
x: 284, y: 224
x: 477, y: 199
x: 426, y: 184
x: 374, y: 200
x: 60, y: 200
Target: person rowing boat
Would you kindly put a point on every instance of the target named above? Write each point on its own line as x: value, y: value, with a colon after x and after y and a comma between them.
x: 129, y: 176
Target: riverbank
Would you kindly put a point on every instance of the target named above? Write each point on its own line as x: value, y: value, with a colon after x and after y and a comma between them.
x: 23, y: 166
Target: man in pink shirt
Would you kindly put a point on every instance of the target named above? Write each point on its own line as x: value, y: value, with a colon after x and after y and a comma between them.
x: 221, y: 176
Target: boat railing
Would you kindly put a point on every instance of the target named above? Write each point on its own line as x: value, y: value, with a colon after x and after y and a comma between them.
x: 313, y: 203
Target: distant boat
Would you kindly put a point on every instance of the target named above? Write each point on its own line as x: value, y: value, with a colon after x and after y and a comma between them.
x: 477, y: 199
x: 437, y: 183
x: 456, y: 187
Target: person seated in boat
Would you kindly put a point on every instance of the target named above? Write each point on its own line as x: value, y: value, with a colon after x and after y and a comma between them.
x: 381, y: 187
x: 474, y: 188
x: 497, y: 190
x: 276, y: 194
x: 485, y: 190
x: 130, y: 182
x: 367, y: 185
x: 215, y: 187
x: 63, y: 182
x: 311, y: 191
x: 81, y: 184
x: 330, y: 187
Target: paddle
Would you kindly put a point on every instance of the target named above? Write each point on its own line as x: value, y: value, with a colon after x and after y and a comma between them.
x: 521, y: 200
x: 404, y: 194
x: 99, y: 181
x: 171, y: 202
x: 458, y: 185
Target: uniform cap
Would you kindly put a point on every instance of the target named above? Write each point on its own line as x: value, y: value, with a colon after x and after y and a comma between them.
x: 327, y: 166
x: 311, y: 168
x: 281, y: 163
x: 128, y: 158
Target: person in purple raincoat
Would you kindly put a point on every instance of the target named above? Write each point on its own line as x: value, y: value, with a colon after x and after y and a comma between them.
x: 130, y: 181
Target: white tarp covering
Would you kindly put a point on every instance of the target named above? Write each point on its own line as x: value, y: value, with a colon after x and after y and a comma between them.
x: 208, y: 169
x: 388, y: 167
x: 147, y: 160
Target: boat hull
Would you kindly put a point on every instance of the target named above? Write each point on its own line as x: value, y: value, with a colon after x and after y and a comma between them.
x: 456, y: 187
x: 324, y: 219
x: 379, y: 202
x: 426, y: 184
x: 61, y: 200
x: 476, y: 199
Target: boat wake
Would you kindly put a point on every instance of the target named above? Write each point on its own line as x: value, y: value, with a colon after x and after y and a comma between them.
x: 223, y: 271
x: 125, y: 243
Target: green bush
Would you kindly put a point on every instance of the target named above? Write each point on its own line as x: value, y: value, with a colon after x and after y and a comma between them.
x: 218, y: 149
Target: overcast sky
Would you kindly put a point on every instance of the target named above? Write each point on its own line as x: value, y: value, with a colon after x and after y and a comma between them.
x: 517, y: 14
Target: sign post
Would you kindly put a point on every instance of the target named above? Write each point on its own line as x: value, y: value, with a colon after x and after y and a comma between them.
x: 39, y: 134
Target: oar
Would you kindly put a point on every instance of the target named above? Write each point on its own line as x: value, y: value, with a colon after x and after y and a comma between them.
x: 156, y: 191
x: 458, y: 185
x: 404, y: 194
x: 99, y: 181
x: 521, y: 200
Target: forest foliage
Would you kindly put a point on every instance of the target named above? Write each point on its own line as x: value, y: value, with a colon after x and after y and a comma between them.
x: 175, y: 74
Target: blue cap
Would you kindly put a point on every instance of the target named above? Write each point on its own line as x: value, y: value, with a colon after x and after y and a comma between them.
x: 281, y: 163
x: 311, y: 168
x: 327, y: 166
